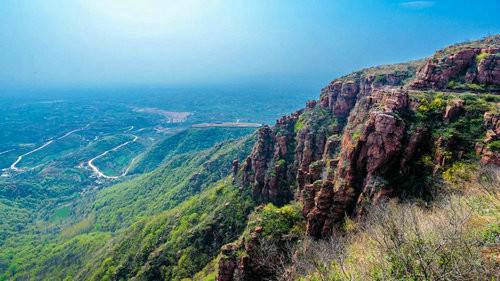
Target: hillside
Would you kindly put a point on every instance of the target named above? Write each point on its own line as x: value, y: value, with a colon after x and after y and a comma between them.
x: 186, y: 185
x: 368, y: 182
x: 381, y: 133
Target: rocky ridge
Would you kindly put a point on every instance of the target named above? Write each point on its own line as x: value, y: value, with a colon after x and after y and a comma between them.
x: 375, y: 134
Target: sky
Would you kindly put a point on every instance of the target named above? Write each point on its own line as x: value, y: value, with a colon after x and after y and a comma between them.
x: 68, y: 43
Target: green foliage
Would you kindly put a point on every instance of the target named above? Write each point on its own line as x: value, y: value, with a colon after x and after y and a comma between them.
x: 299, y: 125
x: 179, y: 236
x: 179, y: 242
x: 494, y: 145
x: 491, y: 97
x: 318, y: 119
x: 480, y: 57
x: 356, y: 134
x: 127, y: 208
x: 180, y: 178
x: 53, y: 260
x: 191, y: 140
x: 380, y: 78
x: 465, y: 130
x: 60, y: 213
x: 276, y: 221
x: 426, y: 160
x: 280, y: 163
x: 464, y: 86
x: 431, y: 104
x: 491, y: 234
x: 459, y: 172
x: 315, y: 165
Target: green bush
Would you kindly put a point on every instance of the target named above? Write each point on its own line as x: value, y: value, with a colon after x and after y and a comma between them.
x: 299, y: 125
x: 494, y: 145
x: 481, y: 56
x: 276, y: 222
x: 459, y: 172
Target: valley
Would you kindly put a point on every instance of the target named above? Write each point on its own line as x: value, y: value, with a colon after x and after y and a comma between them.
x: 114, y: 149
x: 55, y: 152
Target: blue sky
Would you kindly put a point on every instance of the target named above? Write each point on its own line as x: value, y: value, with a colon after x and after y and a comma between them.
x: 62, y: 43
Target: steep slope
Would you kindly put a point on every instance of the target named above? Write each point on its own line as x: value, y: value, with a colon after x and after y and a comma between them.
x: 181, y: 177
x: 181, y: 194
x: 379, y: 133
x: 177, y: 243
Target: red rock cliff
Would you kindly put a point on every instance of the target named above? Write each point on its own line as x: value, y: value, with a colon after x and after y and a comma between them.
x: 377, y: 133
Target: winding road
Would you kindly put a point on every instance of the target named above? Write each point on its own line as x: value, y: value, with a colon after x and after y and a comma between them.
x: 71, y: 132
x: 20, y: 157
x: 98, y: 172
x: 6, y: 151
x: 90, y: 163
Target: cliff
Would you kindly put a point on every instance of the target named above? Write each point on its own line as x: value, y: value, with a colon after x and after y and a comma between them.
x: 378, y: 133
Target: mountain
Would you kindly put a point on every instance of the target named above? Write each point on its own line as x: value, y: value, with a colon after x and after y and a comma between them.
x: 383, y: 132
x: 366, y: 137
x: 392, y: 174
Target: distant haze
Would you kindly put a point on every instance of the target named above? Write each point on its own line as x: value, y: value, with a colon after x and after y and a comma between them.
x: 45, y: 43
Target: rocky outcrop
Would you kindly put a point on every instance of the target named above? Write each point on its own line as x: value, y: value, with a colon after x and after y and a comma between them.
x: 270, y: 166
x: 255, y: 257
x: 227, y: 262
x: 488, y: 67
x: 378, y: 133
x: 372, y: 144
x: 318, y: 209
x: 235, y: 166
x: 340, y: 95
x: 359, y: 143
x: 257, y: 163
x: 438, y: 71
x: 484, y: 148
x: 477, y: 63
x: 453, y: 110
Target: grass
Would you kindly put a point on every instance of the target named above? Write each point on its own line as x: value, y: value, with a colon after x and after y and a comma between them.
x: 60, y: 214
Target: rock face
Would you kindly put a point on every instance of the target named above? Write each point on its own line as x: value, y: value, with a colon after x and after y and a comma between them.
x: 488, y: 154
x: 267, y: 170
x: 368, y: 146
x: 488, y: 67
x: 453, y: 110
x: 227, y: 263
x: 437, y: 72
x: 374, y: 134
x: 258, y: 262
x: 477, y: 63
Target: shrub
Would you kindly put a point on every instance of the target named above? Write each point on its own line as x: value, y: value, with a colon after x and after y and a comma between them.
x: 458, y: 173
x: 299, y: 125
x: 494, y: 145
x: 481, y: 56
x: 276, y: 222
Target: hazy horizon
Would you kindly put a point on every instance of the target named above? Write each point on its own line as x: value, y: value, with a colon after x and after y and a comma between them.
x: 75, y: 44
